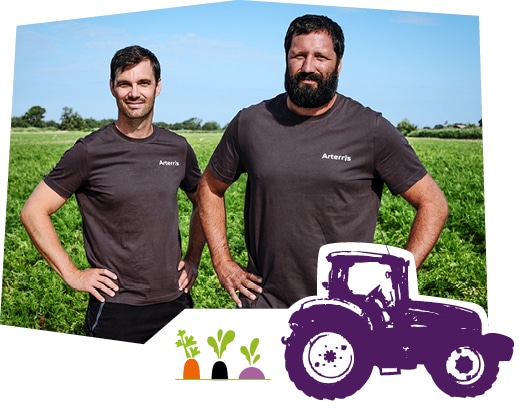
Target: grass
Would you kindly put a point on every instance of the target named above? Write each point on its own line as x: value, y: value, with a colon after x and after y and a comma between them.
x: 33, y: 296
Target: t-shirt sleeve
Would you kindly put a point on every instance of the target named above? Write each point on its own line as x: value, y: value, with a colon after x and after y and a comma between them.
x: 70, y: 171
x: 396, y: 161
x: 225, y: 161
x: 192, y: 176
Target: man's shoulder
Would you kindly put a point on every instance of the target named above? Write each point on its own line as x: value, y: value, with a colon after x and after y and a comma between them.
x: 277, y: 102
x: 164, y: 134
x: 103, y: 132
x: 350, y: 104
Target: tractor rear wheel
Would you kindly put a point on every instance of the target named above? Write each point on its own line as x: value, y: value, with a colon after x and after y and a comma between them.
x: 329, y: 360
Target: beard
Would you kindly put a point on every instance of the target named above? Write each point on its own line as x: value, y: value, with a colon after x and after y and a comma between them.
x: 307, y: 96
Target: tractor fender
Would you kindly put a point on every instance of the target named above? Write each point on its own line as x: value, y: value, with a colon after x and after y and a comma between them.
x: 499, y: 346
x: 317, y: 312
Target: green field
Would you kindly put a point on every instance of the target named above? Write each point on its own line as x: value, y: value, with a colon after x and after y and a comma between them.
x: 33, y: 296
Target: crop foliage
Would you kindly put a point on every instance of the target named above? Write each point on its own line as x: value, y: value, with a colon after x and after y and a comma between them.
x: 33, y: 296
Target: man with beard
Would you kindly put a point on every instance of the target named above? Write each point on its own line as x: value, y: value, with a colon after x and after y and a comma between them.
x: 316, y: 163
x: 125, y: 177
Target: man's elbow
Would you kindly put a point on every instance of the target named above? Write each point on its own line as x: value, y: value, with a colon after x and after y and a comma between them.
x: 32, y: 214
x: 24, y: 216
x: 445, y: 211
x: 210, y: 186
x: 441, y: 207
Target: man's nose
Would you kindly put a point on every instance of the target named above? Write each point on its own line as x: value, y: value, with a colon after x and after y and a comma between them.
x: 134, y: 92
x: 308, y: 65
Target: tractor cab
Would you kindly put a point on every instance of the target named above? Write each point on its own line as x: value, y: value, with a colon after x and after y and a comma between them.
x: 377, y: 281
x: 355, y: 274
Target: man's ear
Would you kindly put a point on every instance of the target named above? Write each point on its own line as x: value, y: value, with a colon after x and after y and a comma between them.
x: 111, y: 86
x: 158, y: 87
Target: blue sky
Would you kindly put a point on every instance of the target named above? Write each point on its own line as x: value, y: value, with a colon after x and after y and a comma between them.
x: 218, y: 58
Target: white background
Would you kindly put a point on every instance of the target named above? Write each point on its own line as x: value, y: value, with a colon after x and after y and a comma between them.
x: 44, y: 372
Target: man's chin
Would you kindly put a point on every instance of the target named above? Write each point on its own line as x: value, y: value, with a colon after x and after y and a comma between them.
x: 310, y: 102
x: 308, y: 85
x: 136, y: 113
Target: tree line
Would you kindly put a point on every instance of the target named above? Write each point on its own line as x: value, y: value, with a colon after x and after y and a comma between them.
x: 442, y: 131
x: 70, y: 120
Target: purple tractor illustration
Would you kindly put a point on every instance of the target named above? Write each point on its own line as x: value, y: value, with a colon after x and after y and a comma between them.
x: 371, y: 315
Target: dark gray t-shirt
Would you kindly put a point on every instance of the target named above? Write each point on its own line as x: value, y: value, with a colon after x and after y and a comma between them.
x: 126, y: 191
x: 311, y: 181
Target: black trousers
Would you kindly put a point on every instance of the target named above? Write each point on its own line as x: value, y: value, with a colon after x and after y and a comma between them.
x: 121, y: 322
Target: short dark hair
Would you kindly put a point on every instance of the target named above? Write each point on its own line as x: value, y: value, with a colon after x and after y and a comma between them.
x: 133, y: 55
x: 313, y: 23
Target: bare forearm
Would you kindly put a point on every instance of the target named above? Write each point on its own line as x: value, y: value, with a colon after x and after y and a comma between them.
x: 36, y: 218
x: 213, y: 219
x: 44, y: 237
x: 424, y: 234
x: 233, y: 277
x: 431, y: 214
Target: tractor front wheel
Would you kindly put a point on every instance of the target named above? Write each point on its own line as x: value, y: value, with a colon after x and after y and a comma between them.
x: 464, y: 370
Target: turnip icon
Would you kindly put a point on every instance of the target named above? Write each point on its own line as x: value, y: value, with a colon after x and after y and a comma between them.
x: 219, y: 370
x: 251, y: 372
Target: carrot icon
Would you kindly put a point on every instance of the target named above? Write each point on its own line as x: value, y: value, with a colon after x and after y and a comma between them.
x: 191, y: 366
